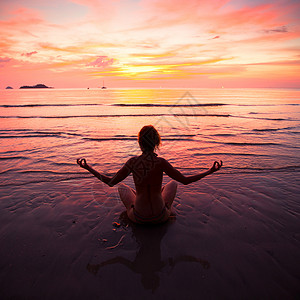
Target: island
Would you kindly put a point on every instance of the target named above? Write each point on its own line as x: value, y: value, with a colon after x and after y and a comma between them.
x: 37, y: 86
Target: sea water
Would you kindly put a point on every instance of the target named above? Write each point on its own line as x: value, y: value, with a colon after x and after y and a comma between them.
x: 241, y: 224
x: 43, y: 131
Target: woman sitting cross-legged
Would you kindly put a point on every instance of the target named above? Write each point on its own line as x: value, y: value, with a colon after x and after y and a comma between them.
x: 150, y: 202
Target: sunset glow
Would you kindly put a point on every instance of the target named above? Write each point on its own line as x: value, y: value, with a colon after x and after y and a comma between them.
x: 150, y: 43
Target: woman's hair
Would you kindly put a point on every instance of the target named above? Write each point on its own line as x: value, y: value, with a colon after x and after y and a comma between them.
x: 149, y: 138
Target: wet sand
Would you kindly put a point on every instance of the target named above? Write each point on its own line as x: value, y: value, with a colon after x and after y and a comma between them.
x: 231, y: 236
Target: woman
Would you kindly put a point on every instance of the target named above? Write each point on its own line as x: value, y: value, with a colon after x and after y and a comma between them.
x: 150, y: 203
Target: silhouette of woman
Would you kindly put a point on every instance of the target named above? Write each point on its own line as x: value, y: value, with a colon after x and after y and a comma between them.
x: 150, y: 203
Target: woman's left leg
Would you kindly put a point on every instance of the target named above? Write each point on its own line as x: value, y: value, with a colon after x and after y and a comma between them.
x: 168, y: 193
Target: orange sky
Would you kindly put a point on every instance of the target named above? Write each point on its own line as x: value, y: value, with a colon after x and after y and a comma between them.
x: 150, y: 43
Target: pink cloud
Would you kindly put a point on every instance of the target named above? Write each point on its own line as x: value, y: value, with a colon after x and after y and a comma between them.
x: 20, y: 24
x: 28, y: 54
x: 278, y: 29
x: 217, y: 16
x: 101, y: 61
x: 24, y: 16
x: 4, y: 61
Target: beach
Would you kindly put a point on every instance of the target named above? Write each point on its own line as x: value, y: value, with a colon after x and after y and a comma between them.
x: 234, y: 234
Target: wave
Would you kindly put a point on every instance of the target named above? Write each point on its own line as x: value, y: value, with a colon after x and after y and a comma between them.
x: 29, y: 133
x: 110, y: 139
x: 63, y: 164
x: 167, y: 105
x: 289, y: 169
x: 115, y: 116
x: 265, y: 118
x: 48, y: 172
x: 30, y: 136
x: 134, y: 139
x: 273, y: 129
x: 25, y: 130
x: 274, y: 104
x: 140, y: 105
x: 44, y: 181
x: 42, y: 172
x: 49, y: 105
x: 121, y: 137
x: 252, y: 170
x: 254, y: 144
x: 224, y: 170
x: 148, y: 115
x: 257, y: 144
x: 285, y: 168
x: 223, y: 134
x: 231, y: 154
x: 266, y: 129
x: 13, y: 157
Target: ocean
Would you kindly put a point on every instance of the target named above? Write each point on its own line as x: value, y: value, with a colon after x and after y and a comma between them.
x: 57, y: 218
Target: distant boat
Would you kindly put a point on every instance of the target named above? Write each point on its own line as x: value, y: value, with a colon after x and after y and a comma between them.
x: 103, y: 86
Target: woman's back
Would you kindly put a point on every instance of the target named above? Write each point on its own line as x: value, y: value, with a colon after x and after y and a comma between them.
x: 147, y: 173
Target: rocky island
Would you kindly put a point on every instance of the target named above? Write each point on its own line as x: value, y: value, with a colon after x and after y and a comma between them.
x: 37, y: 86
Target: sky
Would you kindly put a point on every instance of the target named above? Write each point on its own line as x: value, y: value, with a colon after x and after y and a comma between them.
x: 150, y: 43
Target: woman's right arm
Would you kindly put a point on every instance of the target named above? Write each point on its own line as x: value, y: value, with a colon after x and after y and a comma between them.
x: 111, y: 181
x: 82, y: 163
x: 178, y: 176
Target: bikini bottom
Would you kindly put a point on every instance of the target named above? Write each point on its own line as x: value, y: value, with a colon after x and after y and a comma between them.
x: 154, y: 219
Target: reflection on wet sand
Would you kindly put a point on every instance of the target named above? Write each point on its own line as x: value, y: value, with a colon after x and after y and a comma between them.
x: 148, y: 262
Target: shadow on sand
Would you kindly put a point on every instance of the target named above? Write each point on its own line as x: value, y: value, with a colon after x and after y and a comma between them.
x: 148, y: 262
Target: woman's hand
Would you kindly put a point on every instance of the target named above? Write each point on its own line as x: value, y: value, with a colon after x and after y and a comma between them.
x: 82, y: 163
x: 216, y: 166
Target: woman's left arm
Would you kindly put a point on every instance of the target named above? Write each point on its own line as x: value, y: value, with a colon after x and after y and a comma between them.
x: 111, y: 181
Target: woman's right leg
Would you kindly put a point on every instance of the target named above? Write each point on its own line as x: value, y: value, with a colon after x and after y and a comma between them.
x: 169, y: 192
x: 127, y: 196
